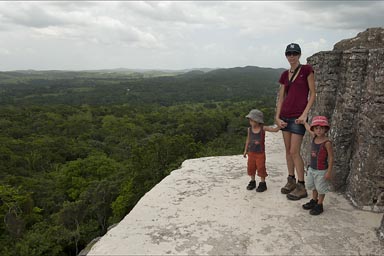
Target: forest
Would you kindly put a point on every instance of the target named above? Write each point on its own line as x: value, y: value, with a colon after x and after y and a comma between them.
x: 79, y: 149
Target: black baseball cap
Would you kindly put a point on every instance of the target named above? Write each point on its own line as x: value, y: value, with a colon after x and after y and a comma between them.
x: 292, y: 47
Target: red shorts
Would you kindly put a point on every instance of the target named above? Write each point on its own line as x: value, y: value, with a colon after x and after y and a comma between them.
x: 256, y: 161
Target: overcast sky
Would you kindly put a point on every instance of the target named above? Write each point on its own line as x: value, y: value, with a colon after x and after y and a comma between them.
x: 173, y: 35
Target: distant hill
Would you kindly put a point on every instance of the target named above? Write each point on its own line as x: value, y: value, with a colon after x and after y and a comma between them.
x: 221, y: 84
x: 148, y: 71
x: 118, y: 72
x: 120, y: 86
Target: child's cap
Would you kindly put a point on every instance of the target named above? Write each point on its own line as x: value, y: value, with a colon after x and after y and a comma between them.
x: 256, y: 115
x: 319, y: 121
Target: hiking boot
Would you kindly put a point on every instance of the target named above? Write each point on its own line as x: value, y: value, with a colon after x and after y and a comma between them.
x: 317, y: 209
x: 251, y: 185
x: 310, y: 205
x: 290, y: 186
x: 262, y: 187
x: 298, y: 193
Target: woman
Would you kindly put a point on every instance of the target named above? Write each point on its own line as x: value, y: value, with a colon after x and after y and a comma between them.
x: 293, y: 105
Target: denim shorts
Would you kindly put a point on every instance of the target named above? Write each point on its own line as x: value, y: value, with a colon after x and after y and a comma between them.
x: 315, y: 180
x: 292, y: 127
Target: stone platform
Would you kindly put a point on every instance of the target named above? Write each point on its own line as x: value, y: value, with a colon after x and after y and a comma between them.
x: 203, y: 208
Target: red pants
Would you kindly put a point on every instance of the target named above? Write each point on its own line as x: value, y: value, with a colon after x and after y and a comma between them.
x: 256, y: 161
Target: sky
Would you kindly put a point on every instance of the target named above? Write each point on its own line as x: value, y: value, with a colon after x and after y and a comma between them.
x: 175, y: 35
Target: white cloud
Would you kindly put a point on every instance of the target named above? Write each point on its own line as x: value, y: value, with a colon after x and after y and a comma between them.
x: 350, y: 15
x: 173, y: 34
x: 4, y: 52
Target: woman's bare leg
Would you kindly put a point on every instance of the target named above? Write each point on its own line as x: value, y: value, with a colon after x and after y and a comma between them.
x: 290, y: 163
x: 295, y: 146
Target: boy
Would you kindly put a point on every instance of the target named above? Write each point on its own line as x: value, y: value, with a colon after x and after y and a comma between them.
x: 255, y: 149
x: 320, y: 169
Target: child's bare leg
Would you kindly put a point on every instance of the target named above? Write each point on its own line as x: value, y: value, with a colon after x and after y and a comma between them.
x: 262, y: 185
x: 321, y: 199
x: 315, y: 195
x: 252, y: 183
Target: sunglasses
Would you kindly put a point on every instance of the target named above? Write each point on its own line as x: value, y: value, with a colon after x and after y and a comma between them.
x: 292, y: 54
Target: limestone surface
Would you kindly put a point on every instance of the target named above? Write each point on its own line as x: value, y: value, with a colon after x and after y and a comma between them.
x: 203, y: 208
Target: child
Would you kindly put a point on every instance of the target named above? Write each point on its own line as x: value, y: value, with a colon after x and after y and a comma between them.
x: 255, y: 149
x: 319, y: 172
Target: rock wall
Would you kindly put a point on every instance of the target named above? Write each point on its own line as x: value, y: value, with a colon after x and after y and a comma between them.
x: 350, y: 92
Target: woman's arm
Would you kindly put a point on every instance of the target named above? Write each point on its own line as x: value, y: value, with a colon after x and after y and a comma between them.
x: 311, y: 100
x: 280, y: 123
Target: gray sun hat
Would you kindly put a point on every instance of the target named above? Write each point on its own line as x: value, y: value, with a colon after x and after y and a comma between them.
x: 256, y: 115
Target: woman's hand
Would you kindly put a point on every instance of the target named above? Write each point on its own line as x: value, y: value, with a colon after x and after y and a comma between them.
x: 280, y: 123
x: 301, y: 120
